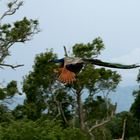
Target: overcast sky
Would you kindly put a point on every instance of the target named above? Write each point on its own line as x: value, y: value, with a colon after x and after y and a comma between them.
x: 66, y: 22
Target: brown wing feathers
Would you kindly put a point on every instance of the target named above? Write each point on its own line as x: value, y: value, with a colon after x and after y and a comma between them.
x: 66, y: 76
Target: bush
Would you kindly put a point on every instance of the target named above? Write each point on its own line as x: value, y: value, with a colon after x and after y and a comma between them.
x: 46, y: 130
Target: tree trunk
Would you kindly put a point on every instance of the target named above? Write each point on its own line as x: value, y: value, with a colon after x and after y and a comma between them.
x: 80, y: 111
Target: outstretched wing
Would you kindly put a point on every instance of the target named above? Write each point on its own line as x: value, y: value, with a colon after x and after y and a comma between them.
x: 110, y: 65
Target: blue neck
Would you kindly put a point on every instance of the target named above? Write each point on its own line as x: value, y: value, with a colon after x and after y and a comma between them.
x: 59, y: 60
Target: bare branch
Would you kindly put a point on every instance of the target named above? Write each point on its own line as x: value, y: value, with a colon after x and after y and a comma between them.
x: 108, y: 119
x: 13, y: 7
x: 12, y: 66
x: 99, y: 125
x: 123, y: 132
x: 124, y: 127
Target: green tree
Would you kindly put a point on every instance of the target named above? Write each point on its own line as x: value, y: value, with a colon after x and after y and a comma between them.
x: 135, y: 110
x: 37, y: 85
x: 9, y: 91
x: 5, y: 114
x: 10, y: 34
x: 44, y: 94
x: 136, y: 105
x: 19, y: 31
x: 116, y: 126
x: 95, y: 80
x: 39, y: 130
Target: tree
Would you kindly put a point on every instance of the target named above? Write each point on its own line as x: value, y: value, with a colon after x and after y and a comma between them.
x: 17, y: 32
x: 58, y: 101
x: 95, y: 80
x: 39, y: 130
x: 136, y: 105
x: 44, y: 93
x: 5, y: 114
x: 124, y: 125
x: 37, y: 85
x: 11, y: 33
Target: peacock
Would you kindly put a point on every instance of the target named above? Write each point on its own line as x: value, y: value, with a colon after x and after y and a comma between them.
x: 70, y: 66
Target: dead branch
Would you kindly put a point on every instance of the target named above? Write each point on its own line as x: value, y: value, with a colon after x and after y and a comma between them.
x: 99, y: 125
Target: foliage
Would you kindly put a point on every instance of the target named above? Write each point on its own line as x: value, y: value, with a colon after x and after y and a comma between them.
x: 133, y: 138
x: 96, y: 109
x: 102, y: 134
x: 42, y: 89
x: 88, y: 50
x: 5, y: 114
x: 94, y: 80
x: 17, y: 32
x: 8, y: 91
x: 46, y: 96
x: 37, y: 85
x: 135, y: 110
x: 135, y: 107
x: 39, y: 130
x: 132, y: 125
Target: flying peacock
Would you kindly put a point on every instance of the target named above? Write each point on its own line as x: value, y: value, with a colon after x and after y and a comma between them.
x: 70, y: 66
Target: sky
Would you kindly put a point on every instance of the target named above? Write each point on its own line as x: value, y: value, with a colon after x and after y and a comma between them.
x: 67, y: 22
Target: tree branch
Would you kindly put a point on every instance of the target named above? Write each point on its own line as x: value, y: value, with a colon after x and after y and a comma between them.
x: 123, y: 132
x: 12, y: 66
x: 99, y: 125
x: 12, y: 9
x: 124, y: 127
x: 62, y: 113
x: 104, y: 121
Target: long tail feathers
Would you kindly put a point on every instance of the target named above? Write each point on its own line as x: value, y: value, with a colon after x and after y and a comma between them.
x: 111, y: 65
x: 66, y: 76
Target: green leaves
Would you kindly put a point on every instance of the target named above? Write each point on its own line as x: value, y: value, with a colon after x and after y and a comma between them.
x: 88, y: 50
x: 9, y: 91
x: 38, y: 85
x: 20, y: 31
x: 135, y: 107
x: 12, y: 88
x: 39, y: 130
